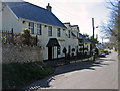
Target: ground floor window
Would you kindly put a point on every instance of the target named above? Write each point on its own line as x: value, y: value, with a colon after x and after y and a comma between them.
x: 59, y: 51
x: 69, y: 48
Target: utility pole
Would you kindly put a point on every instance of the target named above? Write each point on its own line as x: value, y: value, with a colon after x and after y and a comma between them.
x: 93, y: 38
x: 93, y: 30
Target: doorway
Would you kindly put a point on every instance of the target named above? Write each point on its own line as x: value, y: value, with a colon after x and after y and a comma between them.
x: 49, y: 53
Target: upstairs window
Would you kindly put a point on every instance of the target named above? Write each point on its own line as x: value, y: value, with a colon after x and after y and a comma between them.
x: 49, y: 31
x: 58, y: 32
x: 31, y: 27
x: 39, y: 29
x: 69, y: 33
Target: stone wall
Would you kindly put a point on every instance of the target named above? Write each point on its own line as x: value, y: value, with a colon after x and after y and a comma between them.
x: 12, y: 53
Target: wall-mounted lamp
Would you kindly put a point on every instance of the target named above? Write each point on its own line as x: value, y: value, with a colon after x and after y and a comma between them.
x: 45, y: 25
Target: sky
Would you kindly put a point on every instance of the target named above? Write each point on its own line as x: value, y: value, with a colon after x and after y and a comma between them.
x: 78, y: 12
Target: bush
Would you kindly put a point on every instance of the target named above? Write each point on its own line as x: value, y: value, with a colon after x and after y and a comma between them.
x: 25, y: 38
x: 18, y: 74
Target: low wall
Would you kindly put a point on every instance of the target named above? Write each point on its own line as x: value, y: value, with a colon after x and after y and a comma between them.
x: 12, y: 53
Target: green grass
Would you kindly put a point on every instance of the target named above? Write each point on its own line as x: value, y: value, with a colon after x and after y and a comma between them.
x: 18, y: 74
x: 115, y: 50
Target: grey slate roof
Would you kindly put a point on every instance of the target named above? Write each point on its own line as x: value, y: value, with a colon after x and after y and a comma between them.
x: 32, y: 12
x: 82, y: 37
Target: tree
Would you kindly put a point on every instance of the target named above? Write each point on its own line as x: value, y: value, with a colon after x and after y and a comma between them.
x: 90, y: 38
x: 111, y: 29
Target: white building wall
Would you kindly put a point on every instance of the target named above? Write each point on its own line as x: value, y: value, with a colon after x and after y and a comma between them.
x: 44, y: 39
x: 72, y: 42
x: 10, y: 21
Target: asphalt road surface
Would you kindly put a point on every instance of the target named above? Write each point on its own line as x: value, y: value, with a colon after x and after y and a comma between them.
x: 102, y: 74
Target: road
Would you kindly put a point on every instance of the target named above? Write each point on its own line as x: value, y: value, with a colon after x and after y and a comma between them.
x: 102, y: 74
x: 97, y: 76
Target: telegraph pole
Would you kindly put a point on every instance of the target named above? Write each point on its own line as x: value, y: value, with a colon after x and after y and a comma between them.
x: 93, y: 38
x: 93, y: 30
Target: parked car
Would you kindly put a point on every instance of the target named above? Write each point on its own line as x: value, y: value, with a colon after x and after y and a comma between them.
x: 102, y: 55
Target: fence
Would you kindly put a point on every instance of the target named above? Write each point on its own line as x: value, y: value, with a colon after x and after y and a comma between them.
x: 9, y: 37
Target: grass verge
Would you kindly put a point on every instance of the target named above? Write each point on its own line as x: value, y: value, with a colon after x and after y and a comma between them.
x: 115, y: 50
x: 18, y: 74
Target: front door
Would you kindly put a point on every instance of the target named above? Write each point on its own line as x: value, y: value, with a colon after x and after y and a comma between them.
x: 49, y: 53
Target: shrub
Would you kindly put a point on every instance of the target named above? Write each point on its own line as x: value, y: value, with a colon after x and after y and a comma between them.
x: 18, y: 74
x: 25, y: 38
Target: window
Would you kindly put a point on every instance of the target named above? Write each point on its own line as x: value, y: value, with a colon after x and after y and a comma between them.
x: 58, y: 50
x: 69, y: 48
x: 68, y: 33
x: 58, y: 32
x: 49, y: 31
x: 39, y: 29
x: 31, y: 27
x: 77, y: 34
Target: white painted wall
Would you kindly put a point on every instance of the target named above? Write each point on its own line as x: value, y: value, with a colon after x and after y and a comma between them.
x: 73, y: 42
x: 10, y: 21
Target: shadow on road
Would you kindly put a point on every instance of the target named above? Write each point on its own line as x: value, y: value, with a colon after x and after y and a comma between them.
x: 44, y: 83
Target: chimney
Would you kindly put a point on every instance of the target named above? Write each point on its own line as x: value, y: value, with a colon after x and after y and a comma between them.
x: 49, y: 8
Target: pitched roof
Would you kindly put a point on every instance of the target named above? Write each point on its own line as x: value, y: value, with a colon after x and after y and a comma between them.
x: 82, y: 37
x: 32, y: 12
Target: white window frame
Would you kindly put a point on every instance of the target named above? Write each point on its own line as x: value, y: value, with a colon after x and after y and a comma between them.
x: 39, y: 29
x: 49, y: 30
x: 31, y: 27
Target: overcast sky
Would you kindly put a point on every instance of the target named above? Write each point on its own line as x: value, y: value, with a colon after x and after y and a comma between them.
x: 78, y: 12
